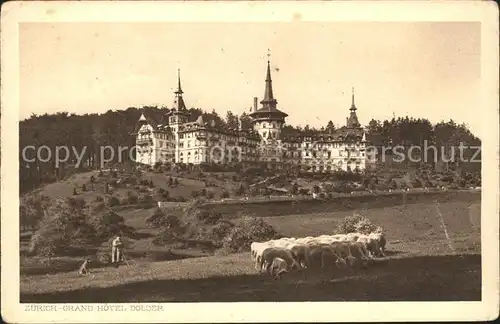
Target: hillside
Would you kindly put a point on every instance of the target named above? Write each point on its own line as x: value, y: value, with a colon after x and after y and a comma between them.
x: 421, y: 265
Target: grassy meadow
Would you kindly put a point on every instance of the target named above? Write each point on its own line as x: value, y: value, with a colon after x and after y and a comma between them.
x: 422, y: 263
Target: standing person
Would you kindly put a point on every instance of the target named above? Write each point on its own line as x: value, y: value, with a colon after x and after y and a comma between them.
x: 117, y: 250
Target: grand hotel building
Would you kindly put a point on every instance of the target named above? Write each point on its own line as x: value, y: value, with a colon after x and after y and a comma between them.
x: 175, y: 140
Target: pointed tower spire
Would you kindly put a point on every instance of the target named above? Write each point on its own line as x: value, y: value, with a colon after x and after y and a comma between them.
x: 178, y: 100
x: 352, y: 120
x: 353, y: 106
x: 269, y: 102
x: 179, y: 88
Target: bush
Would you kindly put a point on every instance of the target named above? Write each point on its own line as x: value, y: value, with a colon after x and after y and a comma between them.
x: 250, y: 229
x: 240, y: 191
x: 348, y: 224
x: 112, y: 201
x: 107, y: 224
x: 365, y: 226
x: 145, y: 198
x: 65, y: 221
x: 160, y: 219
x: 209, y: 217
x: 219, y: 232
x: 356, y: 224
x: 132, y: 199
x: 31, y: 211
x: 210, y: 195
x: 48, y: 242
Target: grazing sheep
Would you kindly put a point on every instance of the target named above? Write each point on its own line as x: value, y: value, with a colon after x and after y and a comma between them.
x: 278, y: 267
x: 371, y: 245
x: 381, y: 242
x: 269, y: 254
x: 351, y: 237
x: 256, y: 249
x: 323, y: 252
x: 359, y: 251
x: 301, y: 254
x: 342, y: 249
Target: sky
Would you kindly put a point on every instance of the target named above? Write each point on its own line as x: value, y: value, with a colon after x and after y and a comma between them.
x: 420, y: 69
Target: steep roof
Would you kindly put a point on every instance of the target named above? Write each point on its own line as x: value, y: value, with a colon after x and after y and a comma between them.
x: 152, y: 118
x: 268, y: 102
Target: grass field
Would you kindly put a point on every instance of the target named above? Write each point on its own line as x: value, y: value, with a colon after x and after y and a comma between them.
x: 422, y: 263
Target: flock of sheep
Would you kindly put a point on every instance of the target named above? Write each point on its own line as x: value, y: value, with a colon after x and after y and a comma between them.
x: 276, y: 257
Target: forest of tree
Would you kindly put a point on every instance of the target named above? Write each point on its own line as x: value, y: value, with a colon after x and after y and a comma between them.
x: 113, y: 128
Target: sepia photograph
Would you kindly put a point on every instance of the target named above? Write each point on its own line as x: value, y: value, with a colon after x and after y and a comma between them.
x: 276, y: 158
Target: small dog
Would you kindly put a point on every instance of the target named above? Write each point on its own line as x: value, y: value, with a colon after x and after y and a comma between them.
x: 84, y: 270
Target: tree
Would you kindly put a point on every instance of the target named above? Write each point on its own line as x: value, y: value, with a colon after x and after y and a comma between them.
x: 330, y: 127
x: 246, y: 121
x: 231, y: 120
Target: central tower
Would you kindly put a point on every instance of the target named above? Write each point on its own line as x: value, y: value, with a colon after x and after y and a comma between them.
x: 268, y: 120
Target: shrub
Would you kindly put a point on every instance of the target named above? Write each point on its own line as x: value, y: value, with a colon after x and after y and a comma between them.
x: 365, y: 226
x: 107, y: 224
x: 112, y: 201
x: 240, y: 191
x: 159, y: 218
x: 209, y: 217
x: 31, y: 211
x: 145, y: 198
x: 210, y: 195
x: 65, y: 221
x: 48, y: 242
x: 219, y: 231
x: 356, y: 223
x: 132, y: 199
x: 250, y: 229
x: 348, y: 224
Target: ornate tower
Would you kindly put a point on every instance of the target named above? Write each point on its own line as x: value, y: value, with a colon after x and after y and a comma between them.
x: 352, y: 120
x: 268, y: 120
x: 178, y: 115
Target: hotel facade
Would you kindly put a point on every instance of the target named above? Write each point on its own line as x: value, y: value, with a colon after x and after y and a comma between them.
x: 174, y: 139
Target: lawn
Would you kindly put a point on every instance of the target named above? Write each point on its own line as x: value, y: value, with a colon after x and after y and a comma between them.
x: 422, y: 264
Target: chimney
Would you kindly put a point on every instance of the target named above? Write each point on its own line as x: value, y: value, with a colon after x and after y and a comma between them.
x: 255, y: 99
x: 347, y: 121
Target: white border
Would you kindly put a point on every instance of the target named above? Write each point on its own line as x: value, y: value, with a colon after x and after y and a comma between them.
x: 283, y: 11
